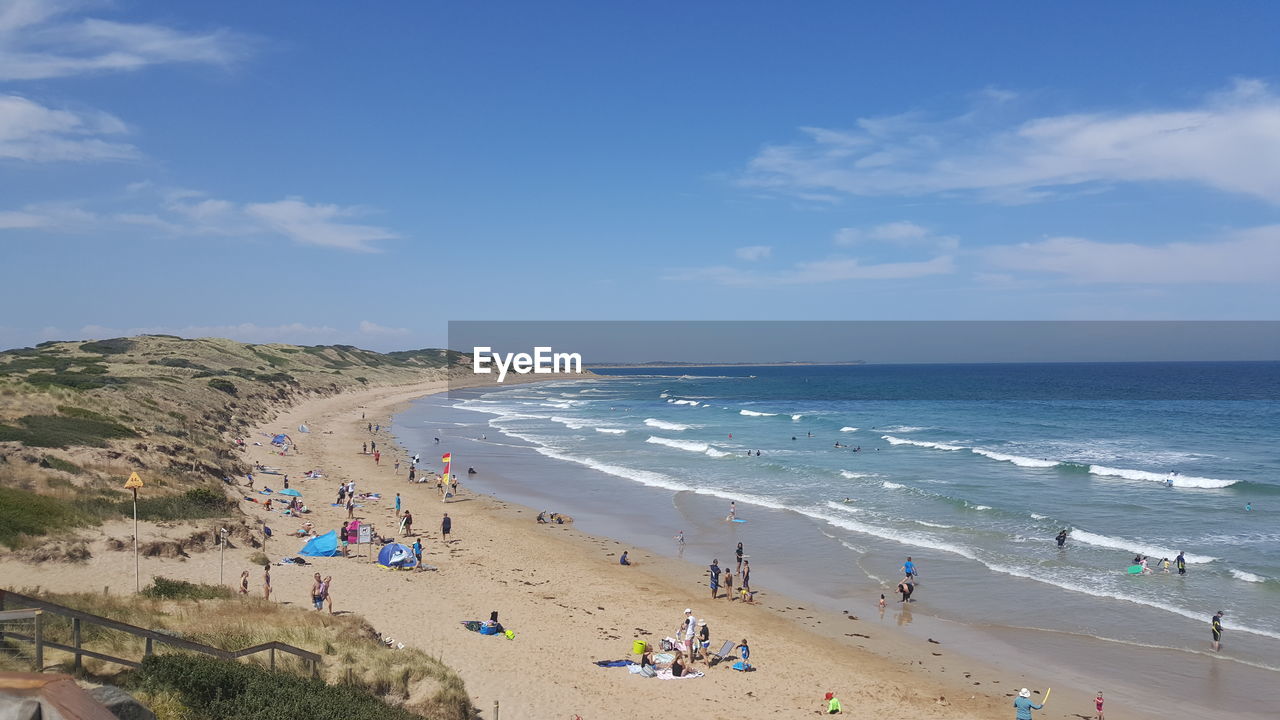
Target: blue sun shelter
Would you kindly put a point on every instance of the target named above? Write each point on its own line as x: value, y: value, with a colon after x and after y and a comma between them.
x: 325, y: 545
x: 395, y: 556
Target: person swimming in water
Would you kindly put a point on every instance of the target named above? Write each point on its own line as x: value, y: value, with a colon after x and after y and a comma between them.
x: 1062, y: 538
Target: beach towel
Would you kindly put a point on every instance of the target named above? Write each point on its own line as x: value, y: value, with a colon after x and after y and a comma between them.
x: 665, y: 674
x: 643, y: 671
x: 743, y: 666
x: 614, y: 663
x: 265, y: 491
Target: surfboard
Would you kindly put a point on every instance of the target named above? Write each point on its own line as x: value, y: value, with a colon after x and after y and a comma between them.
x: 739, y: 520
x: 1135, y: 569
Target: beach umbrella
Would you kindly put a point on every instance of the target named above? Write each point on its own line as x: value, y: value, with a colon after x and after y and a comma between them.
x: 290, y: 491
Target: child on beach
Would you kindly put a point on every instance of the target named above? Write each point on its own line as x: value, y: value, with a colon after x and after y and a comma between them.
x: 881, y: 601
x: 1098, y: 702
x: 728, y: 584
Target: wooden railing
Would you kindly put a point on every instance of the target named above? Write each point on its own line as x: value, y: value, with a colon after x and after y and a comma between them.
x: 13, y: 601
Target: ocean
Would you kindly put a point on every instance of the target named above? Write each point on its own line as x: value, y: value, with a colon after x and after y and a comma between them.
x: 969, y: 469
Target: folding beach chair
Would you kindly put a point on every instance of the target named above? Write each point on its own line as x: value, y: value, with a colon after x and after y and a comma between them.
x: 725, y: 651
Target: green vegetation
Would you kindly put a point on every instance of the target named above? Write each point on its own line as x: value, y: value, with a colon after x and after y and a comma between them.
x: 56, y: 431
x: 54, y: 463
x: 221, y: 689
x: 76, y: 412
x: 225, y: 386
x: 73, y: 380
x: 26, y: 513
x: 166, y: 589
x: 190, y: 505
x: 178, y: 362
x: 114, y: 346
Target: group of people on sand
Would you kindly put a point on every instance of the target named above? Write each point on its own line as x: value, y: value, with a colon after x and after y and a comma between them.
x: 691, y: 639
x: 718, y: 577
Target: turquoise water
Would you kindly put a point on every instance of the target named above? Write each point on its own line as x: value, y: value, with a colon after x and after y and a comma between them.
x: 970, y: 464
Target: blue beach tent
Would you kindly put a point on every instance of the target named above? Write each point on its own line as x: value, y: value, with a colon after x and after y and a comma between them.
x: 395, y: 556
x: 325, y: 545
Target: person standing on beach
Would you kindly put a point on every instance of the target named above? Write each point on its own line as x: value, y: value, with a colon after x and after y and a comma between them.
x: 909, y: 568
x: 1181, y: 563
x: 1215, y: 625
x: 326, y: 590
x: 728, y: 584
x: 679, y: 538
x: 1024, y: 705
x: 733, y: 511
x: 690, y: 637
x: 266, y: 582
x: 407, y: 523
x: 413, y: 471
x: 1098, y: 703
x: 317, y: 590
x: 397, y: 503
x: 715, y: 578
x: 351, y: 506
x: 746, y: 575
x: 738, y: 553
x: 445, y: 526
x: 244, y: 583
x: 377, y: 457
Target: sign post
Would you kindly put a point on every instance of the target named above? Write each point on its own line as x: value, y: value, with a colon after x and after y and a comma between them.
x: 133, y: 483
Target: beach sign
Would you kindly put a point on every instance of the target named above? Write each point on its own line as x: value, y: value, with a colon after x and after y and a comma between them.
x: 133, y: 483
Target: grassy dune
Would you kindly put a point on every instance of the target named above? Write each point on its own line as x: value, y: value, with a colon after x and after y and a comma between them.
x: 77, y: 417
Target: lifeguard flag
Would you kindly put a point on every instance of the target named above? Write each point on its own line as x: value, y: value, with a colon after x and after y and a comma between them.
x: 447, y: 457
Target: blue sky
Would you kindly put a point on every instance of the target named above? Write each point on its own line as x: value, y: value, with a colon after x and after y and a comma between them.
x: 322, y: 172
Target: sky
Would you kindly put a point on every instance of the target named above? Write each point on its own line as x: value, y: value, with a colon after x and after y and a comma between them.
x: 325, y: 172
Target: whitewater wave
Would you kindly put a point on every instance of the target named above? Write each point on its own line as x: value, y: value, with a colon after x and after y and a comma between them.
x: 557, y: 405
x: 1247, y: 576
x: 663, y: 395
x: 1152, y: 551
x: 684, y: 402
x: 1015, y: 459
x: 891, y: 485
x: 847, y: 428
x: 926, y: 523
x: 1186, y: 481
x: 753, y: 413
x: 571, y: 423
x: 902, y: 428
x: 850, y: 475
x: 920, y: 443
x: 610, y: 431
x: 977, y: 507
x: 1037, y: 516
x: 796, y: 417
x: 687, y: 445
x: 664, y: 425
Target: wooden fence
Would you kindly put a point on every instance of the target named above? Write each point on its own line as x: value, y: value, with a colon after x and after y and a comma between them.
x: 15, y: 601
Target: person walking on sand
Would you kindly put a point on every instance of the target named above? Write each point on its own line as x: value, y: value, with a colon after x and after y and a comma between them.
x: 244, y: 583
x: 328, y: 592
x: 1215, y: 625
x: 679, y: 538
x: 733, y: 511
x: 738, y: 552
x: 377, y: 457
x: 715, y: 578
x: 407, y: 523
x: 351, y: 506
x: 266, y: 582
x: 317, y: 592
x: 397, y: 503
x: 909, y: 568
x: 446, y: 525
x: 1024, y: 705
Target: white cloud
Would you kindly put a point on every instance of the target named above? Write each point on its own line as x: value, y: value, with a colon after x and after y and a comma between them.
x: 180, y: 213
x: 370, y: 328
x: 751, y: 253
x: 318, y: 224
x: 39, y: 39
x: 1246, y: 256
x: 830, y: 270
x: 902, y: 233
x: 30, y: 131
x: 1230, y: 142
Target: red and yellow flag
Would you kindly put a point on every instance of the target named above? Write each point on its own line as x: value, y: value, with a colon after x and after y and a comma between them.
x: 447, y: 457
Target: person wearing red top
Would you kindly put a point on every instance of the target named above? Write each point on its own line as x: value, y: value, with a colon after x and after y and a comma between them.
x: 1098, y: 701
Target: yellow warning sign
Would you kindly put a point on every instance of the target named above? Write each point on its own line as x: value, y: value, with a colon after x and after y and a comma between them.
x: 133, y: 482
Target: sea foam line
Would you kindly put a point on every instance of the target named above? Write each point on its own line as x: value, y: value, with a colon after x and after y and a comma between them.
x: 1151, y: 551
x: 664, y: 425
x: 687, y: 445
x: 753, y: 413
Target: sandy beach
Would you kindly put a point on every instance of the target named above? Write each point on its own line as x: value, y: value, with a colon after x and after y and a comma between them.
x: 566, y: 598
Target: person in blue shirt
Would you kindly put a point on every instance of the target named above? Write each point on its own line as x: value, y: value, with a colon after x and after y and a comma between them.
x: 909, y: 568
x: 1024, y: 705
x: 743, y: 650
x: 623, y: 560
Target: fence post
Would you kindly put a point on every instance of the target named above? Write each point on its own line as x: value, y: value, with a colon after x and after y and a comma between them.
x: 2, y: 594
x: 39, y: 630
x: 75, y: 640
x: 495, y: 710
x: 149, y: 648
x: 272, y: 653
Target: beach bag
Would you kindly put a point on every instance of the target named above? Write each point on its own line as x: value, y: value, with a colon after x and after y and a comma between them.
x: 667, y: 645
x: 742, y: 666
x: 511, y: 634
x: 488, y: 630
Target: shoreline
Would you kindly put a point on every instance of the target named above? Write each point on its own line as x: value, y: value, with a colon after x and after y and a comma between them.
x: 567, y: 599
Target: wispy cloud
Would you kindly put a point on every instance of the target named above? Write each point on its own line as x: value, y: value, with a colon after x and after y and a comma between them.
x: 374, y: 329
x: 44, y: 39
x: 1245, y: 256
x: 1229, y: 141
x: 829, y: 270
x: 189, y: 213
x: 900, y: 233
x: 752, y: 253
x: 32, y: 132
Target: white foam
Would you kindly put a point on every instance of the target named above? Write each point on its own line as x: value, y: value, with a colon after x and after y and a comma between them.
x: 1133, y: 546
x: 571, y: 423
x: 559, y: 406
x: 920, y: 443
x: 684, y: 402
x: 847, y: 428
x: 980, y: 507
x: 1015, y: 459
x: 903, y: 428
x: 1037, y: 516
x: 1247, y: 576
x: 611, y: 431
x: 717, y: 453
x: 664, y: 395
x: 796, y: 417
x: 1178, y: 480
x: 679, y: 444
x: 850, y: 475
x: 926, y: 523
x: 664, y: 425
x: 753, y: 413
x: 843, y: 507
x: 891, y: 485
x: 906, y: 538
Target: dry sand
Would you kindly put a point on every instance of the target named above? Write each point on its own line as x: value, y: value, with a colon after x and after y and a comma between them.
x: 566, y: 597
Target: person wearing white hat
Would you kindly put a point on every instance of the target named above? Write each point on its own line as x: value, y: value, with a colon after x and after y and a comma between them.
x: 1024, y: 705
x: 690, y: 633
